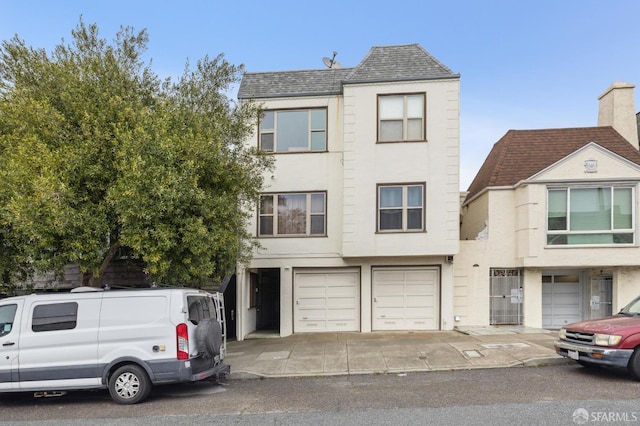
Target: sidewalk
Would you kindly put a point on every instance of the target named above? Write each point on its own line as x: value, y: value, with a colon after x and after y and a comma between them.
x: 322, y: 354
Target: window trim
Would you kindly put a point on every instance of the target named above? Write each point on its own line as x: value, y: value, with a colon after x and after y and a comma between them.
x: 612, y: 231
x: 404, y: 117
x: 405, y: 208
x: 310, y: 130
x: 309, y: 214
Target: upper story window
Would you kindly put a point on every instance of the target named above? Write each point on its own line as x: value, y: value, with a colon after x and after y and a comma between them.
x: 401, y: 208
x: 596, y: 215
x: 401, y: 117
x: 303, y: 130
x: 293, y: 214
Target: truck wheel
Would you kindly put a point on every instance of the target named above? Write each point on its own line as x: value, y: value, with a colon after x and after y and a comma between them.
x: 209, y: 337
x: 129, y: 384
x: 634, y: 364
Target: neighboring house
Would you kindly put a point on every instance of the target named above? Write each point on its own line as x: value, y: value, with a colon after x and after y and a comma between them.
x: 550, y: 224
x: 359, y: 221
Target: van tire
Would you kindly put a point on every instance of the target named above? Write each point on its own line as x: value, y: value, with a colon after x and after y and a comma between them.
x: 634, y: 364
x: 209, y: 337
x: 129, y: 384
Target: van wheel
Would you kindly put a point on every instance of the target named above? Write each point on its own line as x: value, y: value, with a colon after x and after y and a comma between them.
x: 634, y: 364
x: 209, y: 337
x: 129, y: 384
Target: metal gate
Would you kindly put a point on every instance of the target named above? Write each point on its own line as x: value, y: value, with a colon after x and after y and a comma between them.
x: 601, y: 296
x: 506, y: 297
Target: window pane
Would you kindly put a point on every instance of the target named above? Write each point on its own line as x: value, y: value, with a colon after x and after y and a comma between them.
x: 590, y: 209
x: 266, y: 142
x: 266, y: 123
x: 318, y: 119
x: 390, y: 107
x: 293, y: 131
x: 317, y: 224
x: 391, y: 196
x: 414, y: 129
x: 7, y: 314
x: 391, y: 130
x: 317, y: 203
x: 390, y: 219
x: 318, y: 141
x: 414, y: 106
x: 266, y: 225
x: 414, y: 196
x: 622, y: 210
x: 292, y: 214
x: 266, y: 204
x: 557, y: 210
x: 414, y: 219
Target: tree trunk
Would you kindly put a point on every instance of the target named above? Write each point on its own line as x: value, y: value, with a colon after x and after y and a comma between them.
x: 96, y: 280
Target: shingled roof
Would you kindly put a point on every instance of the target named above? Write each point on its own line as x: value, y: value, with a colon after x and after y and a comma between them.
x: 520, y: 154
x: 406, y: 62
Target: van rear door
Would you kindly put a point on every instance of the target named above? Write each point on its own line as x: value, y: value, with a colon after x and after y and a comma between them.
x: 10, y: 312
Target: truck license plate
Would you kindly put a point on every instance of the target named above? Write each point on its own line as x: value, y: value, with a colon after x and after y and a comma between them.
x: 573, y: 354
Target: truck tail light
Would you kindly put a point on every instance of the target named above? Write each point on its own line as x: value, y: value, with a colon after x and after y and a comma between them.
x: 182, y: 337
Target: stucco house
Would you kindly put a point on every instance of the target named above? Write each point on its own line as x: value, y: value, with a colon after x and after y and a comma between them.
x: 359, y: 221
x: 549, y: 226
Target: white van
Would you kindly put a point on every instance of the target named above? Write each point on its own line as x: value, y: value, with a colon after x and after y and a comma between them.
x: 123, y: 340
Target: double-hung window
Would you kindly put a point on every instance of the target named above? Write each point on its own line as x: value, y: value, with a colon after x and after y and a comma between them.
x: 590, y: 215
x: 401, y: 208
x: 401, y: 117
x: 293, y: 214
x: 303, y: 130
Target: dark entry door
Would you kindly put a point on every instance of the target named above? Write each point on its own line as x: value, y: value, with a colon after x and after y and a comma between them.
x: 268, y: 300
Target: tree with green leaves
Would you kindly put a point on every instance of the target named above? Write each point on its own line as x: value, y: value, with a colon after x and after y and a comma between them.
x: 99, y: 157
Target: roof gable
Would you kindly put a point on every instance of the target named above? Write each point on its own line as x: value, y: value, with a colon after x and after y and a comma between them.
x: 407, y: 62
x: 590, y: 161
x: 521, y: 154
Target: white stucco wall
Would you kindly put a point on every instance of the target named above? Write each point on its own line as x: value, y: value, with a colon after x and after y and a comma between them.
x: 434, y: 162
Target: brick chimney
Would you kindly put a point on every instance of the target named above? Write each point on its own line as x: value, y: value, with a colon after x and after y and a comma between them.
x: 617, y: 109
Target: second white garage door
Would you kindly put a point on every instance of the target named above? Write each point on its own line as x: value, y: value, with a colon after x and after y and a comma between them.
x: 405, y: 299
x: 326, y: 300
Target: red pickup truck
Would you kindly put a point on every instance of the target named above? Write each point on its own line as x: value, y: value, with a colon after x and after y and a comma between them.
x: 612, y: 341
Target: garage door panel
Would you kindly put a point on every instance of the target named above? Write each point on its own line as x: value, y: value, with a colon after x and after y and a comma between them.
x: 339, y: 302
x: 340, y: 314
x: 561, y: 303
x: 421, y: 288
x: 420, y: 301
x: 345, y: 292
x: 420, y: 312
x: 405, y: 299
x: 387, y: 289
x: 389, y: 301
x: 334, y: 297
x: 311, y: 302
x: 389, y: 312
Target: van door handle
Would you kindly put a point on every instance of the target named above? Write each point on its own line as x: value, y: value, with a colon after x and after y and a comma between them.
x: 8, y: 343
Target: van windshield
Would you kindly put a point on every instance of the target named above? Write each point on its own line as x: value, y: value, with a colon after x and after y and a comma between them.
x: 632, y: 308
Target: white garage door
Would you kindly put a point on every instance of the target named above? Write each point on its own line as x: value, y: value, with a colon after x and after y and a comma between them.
x: 405, y: 299
x: 561, y: 303
x: 326, y: 300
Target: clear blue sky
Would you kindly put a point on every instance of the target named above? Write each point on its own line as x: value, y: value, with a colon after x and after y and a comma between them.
x: 524, y: 64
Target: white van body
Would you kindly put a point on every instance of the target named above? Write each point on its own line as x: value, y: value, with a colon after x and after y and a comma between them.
x: 123, y: 340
